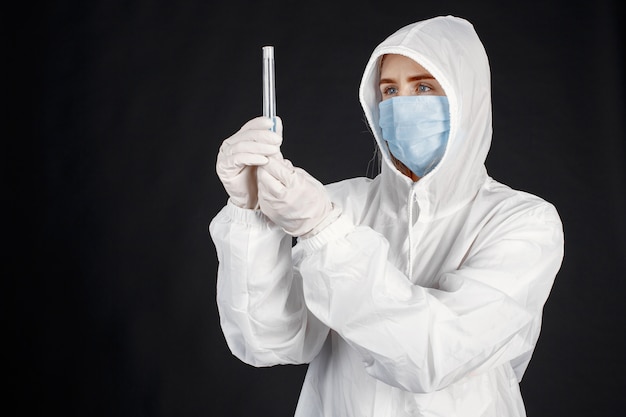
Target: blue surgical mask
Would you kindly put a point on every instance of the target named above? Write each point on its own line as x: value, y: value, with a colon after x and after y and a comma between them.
x: 416, y: 129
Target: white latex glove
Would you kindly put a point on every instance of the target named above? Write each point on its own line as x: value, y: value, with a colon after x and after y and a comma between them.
x: 241, y: 154
x: 291, y: 197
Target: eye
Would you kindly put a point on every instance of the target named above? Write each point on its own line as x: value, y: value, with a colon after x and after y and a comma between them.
x: 423, y: 88
x: 389, y: 91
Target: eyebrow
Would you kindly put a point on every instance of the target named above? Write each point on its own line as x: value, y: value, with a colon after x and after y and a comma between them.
x: 413, y: 78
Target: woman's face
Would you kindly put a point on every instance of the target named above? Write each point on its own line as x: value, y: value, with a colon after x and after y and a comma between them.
x: 401, y: 76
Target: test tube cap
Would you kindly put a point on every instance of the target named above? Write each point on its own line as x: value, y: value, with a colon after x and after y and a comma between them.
x: 268, y: 52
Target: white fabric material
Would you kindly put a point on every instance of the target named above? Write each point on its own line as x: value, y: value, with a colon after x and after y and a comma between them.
x: 421, y: 299
x: 291, y: 197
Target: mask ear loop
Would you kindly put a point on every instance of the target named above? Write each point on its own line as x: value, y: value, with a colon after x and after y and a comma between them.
x: 374, y: 165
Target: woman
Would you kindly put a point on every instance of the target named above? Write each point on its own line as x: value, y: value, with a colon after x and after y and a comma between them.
x: 417, y: 293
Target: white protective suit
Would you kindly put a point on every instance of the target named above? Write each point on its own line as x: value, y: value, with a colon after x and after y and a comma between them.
x: 423, y: 298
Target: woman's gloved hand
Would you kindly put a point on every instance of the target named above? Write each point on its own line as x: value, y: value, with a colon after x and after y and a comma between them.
x: 291, y: 197
x: 241, y: 154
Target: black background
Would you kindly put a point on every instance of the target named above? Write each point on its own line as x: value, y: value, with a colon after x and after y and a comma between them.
x: 118, y: 109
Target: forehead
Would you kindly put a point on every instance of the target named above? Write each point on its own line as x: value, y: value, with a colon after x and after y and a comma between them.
x: 400, y: 63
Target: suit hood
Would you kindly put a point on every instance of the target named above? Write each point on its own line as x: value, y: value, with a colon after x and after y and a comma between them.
x: 449, y: 48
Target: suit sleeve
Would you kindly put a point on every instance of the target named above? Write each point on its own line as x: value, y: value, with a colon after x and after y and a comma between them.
x: 259, y: 296
x: 481, y: 315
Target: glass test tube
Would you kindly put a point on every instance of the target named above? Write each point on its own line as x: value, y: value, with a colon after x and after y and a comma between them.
x: 269, y: 93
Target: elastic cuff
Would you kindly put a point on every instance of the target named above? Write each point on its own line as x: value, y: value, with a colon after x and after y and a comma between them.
x: 338, y: 228
x: 251, y: 217
x: 333, y: 215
